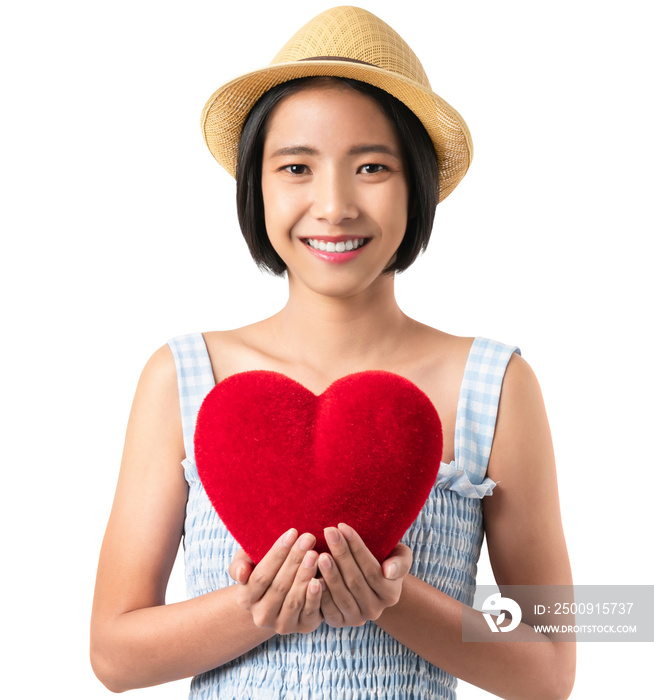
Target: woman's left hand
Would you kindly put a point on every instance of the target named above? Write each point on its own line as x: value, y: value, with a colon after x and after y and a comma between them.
x: 359, y: 588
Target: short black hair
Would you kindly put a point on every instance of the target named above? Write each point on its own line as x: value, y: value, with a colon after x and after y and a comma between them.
x: 419, y: 153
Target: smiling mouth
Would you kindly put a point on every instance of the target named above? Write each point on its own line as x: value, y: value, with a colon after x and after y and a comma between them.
x: 336, y: 246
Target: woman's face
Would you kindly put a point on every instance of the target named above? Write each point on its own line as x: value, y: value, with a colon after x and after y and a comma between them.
x: 334, y: 188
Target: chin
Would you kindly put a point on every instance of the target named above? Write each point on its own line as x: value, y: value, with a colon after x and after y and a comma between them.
x: 343, y: 286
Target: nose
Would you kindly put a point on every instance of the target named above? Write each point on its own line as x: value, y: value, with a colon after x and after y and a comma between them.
x: 333, y: 198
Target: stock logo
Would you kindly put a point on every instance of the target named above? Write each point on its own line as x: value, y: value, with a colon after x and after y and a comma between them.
x: 497, y: 605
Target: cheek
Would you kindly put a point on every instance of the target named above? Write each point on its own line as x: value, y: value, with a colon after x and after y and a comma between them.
x: 280, y: 210
x: 273, y: 215
x: 396, y: 212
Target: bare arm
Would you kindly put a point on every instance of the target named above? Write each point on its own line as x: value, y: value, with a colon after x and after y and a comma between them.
x: 137, y: 640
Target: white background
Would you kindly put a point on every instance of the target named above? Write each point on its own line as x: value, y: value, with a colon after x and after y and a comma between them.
x: 119, y: 232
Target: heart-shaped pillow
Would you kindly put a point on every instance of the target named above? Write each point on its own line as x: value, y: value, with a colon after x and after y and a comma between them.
x: 272, y: 455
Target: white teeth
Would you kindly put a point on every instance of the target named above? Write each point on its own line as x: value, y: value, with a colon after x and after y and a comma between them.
x: 340, y: 247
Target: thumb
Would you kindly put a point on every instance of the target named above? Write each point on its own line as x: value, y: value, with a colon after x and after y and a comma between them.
x: 241, y: 567
x: 398, y: 564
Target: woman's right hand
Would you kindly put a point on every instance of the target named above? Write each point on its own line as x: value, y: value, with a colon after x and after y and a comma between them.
x: 281, y: 592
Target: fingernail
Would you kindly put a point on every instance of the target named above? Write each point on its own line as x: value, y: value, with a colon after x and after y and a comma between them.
x: 325, y: 562
x: 314, y: 586
x: 289, y: 537
x: 309, y: 560
x: 391, y: 571
x: 332, y: 535
x: 306, y: 542
x: 347, y: 531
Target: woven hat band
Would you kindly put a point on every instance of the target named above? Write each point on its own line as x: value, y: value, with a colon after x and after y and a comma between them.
x: 337, y: 58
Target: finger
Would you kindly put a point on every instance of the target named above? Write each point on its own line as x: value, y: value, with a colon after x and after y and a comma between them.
x: 287, y: 572
x: 330, y: 612
x: 296, y: 597
x: 311, y: 616
x: 268, y: 607
x: 265, y: 571
x: 241, y: 567
x: 355, y: 576
x: 398, y: 564
x: 340, y: 593
x: 301, y: 609
x: 364, y: 558
x: 244, y: 572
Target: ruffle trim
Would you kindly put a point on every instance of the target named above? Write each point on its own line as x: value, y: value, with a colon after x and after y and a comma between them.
x: 190, y: 470
x: 450, y: 478
x: 453, y: 478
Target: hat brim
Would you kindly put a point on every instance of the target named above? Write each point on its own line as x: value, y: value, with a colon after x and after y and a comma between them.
x: 225, y: 112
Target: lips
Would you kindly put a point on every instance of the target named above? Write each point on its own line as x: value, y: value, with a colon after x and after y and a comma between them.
x: 336, y: 250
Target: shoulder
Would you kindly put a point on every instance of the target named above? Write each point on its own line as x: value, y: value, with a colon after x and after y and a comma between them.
x: 522, y: 433
x: 434, y: 348
x: 239, y: 350
x: 430, y: 357
x: 156, y: 399
x: 520, y: 390
x: 159, y: 372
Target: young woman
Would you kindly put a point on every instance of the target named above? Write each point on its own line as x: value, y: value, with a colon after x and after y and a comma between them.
x: 341, y: 152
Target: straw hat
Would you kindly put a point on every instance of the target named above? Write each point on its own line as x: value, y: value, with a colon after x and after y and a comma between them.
x: 345, y: 42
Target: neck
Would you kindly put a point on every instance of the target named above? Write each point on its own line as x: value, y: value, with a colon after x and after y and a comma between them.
x: 350, y: 333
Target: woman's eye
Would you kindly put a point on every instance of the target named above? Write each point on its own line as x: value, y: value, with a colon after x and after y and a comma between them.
x: 372, y: 168
x: 296, y: 169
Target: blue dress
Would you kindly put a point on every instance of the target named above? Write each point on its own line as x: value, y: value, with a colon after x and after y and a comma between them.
x: 352, y: 663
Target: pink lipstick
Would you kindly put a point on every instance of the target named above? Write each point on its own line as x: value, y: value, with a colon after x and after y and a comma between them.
x: 340, y: 249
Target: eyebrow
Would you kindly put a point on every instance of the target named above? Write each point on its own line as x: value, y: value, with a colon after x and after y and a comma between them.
x: 295, y: 151
x: 373, y: 148
x: 354, y: 151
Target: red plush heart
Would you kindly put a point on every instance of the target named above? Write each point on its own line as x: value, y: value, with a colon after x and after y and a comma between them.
x: 272, y: 455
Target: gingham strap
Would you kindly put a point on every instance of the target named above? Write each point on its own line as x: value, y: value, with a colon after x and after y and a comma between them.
x: 478, y: 402
x: 194, y: 379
